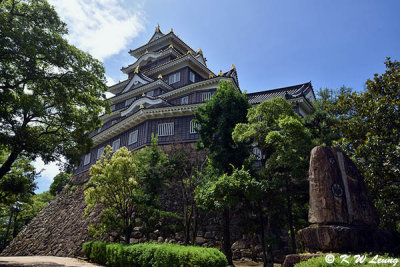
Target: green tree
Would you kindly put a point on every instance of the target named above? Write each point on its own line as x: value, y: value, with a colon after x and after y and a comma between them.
x: 16, y: 187
x: 127, y: 187
x: 369, y: 125
x: 51, y: 93
x: 19, y: 183
x: 59, y: 182
x: 321, y: 123
x: 153, y: 169
x: 188, y: 168
x: 217, y: 119
x: 285, y: 143
x: 114, y: 185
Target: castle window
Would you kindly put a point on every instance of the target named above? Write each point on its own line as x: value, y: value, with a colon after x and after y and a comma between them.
x: 174, y: 78
x: 87, y: 159
x: 112, y: 107
x: 193, y: 127
x: 205, y: 95
x: 185, y: 100
x: 133, y: 137
x: 151, y: 93
x: 257, y: 153
x: 100, y: 152
x: 165, y: 129
x: 192, y: 77
x: 115, y: 145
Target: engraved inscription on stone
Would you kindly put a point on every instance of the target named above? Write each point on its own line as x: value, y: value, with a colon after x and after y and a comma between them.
x: 337, y: 190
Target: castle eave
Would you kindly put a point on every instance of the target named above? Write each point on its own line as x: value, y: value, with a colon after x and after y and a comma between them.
x: 140, y: 116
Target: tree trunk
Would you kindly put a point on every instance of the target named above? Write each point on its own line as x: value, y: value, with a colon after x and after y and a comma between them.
x: 270, y: 256
x: 194, y: 225
x: 6, y: 167
x: 261, y: 217
x: 15, y: 228
x: 128, y: 233
x: 226, y: 244
x: 187, y: 222
x: 8, y: 229
x: 290, y: 217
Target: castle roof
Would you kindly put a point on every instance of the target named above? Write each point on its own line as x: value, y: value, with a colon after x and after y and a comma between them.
x: 158, y: 40
x: 289, y: 92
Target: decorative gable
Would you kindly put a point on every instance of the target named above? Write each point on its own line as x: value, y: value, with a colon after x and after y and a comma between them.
x: 136, y: 81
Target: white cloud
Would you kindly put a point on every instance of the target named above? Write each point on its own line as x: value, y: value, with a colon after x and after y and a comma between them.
x: 110, y: 81
x: 48, y: 170
x: 100, y: 27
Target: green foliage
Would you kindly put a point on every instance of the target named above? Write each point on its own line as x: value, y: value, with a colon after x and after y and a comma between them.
x: 321, y: 262
x: 51, y: 93
x: 226, y: 191
x: 127, y: 186
x: 217, y: 119
x: 320, y: 122
x: 114, y: 184
x: 21, y: 213
x: 59, y: 182
x: 153, y: 254
x: 18, y: 184
x: 369, y: 125
x: 153, y: 168
x: 278, y: 132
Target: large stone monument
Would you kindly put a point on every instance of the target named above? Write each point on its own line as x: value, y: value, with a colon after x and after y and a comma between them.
x: 342, y: 214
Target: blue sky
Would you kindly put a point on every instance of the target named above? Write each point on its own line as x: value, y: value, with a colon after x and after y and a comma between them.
x: 272, y: 43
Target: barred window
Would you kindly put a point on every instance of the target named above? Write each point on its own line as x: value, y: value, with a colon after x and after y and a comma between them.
x: 192, y: 77
x: 115, y: 145
x: 205, y: 95
x: 257, y: 153
x: 193, y: 127
x: 165, y: 129
x: 87, y: 159
x: 185, y: 100
x: 174, y: 78
x: 133, y: 137
x: 100, y: 152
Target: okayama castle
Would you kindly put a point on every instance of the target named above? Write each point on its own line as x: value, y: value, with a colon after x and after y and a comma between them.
x: 165, y: 84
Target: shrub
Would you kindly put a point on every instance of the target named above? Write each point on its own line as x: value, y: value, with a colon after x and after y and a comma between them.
x: 153, y: 254
x: 86, y: 247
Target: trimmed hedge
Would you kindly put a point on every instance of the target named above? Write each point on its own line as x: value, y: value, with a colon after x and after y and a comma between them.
x: 370, y: 261
x: 152, y: 254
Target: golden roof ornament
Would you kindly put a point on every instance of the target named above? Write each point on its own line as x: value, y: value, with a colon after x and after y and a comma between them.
x: 233, y: 67
x: 158, y: 28
x: 189, y: 52
x: 211, y: 76
x: 147, y: 51
x: 199, y: 51
x: 172, y: 30
x: 171, y: 46
x: 137, y: 69
x: 220, y: 73
x: 141, y: 106
x: 159, y: 76
x: 143, y: 94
